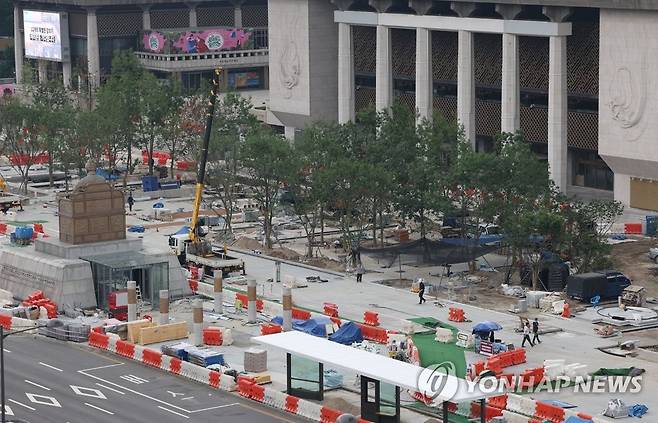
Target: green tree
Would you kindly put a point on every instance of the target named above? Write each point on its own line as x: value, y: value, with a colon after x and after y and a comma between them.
x: 233, y: 121
x: 267, y: 159
x: 20, y: 138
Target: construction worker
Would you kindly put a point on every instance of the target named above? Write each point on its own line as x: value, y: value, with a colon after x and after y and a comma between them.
x: 131, y: 201
x: 360, y: 270
x: 535, y: 331
x: 526, y: 335
x: 421, y: 292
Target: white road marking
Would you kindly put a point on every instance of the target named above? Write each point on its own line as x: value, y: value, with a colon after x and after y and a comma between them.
x: 188, y: 398
x: 173, y: 412
x: 88, y: 392
x: 111, y: 389
x: 101, y: 367
x: 6, y: 350
x: 175, y: 394
x: 21, y: 404
x: 215, y: 407
x: 50, y: 367
x: 37, y: 385
x: 134, y: 379
x: 52, y: 402
x: 8, y: 411
x: 98, y: 408
x: 83, y: 372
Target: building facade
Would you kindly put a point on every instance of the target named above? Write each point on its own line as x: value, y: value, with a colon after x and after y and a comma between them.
x: 182, y: 39
x: 573, y: 77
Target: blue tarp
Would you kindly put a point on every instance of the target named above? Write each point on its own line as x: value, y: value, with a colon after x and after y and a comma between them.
x: 314, y: 326
x: 637, y: 410
x: 183, y: 231
x: 575, y: 419
x: 559, y: 403
x: 348, y: 333
x: 136, y: 228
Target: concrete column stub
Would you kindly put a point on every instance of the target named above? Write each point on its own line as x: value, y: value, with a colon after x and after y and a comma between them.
x: 421, y: 6
x: 463, y: 9
x: 381, y: 6
x: 146, y: 16
x: 510, y: 91
x: 342, y: 4
x: 193, y: 17
x: 508, y: 11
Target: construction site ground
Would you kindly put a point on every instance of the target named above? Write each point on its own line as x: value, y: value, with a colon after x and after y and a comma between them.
x: 395, y: 304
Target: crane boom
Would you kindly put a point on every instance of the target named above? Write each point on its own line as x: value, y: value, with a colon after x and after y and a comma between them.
x: 203, y: 157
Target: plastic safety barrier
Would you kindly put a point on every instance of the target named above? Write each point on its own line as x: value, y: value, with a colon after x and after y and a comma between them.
x: 330, y: 309
x: 456, y: 315
x: 549, y: 412
x: 300, y: 314
x: 371, y: 318
x: 373, y: 333
x: 329, y: 415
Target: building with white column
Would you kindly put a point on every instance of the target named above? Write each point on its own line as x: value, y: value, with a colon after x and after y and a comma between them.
x: 581, y: 95
x: 187, y: 39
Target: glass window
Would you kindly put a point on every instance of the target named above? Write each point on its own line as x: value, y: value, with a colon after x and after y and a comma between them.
x: 387, y: 399
x: 304, y: 374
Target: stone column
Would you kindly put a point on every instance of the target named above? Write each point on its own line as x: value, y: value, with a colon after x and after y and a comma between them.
x: 557, y: 111
x: 510, y: 92
x: 251, y: 301
x: 146, y: 17
x: 43, y: 71
x: 289, y: 133
x: 18, y: 43
x: 287, y: 308
x: 132, y: 301
x: 466, y: 85
x: 66, y: 74
x: 424, y: 86
x: 345, y: 73
x: 197, y: 322
x: 193, y: 20
x: 237, y: 15
x: 164, y: 306
x: 93, y: 53
x: 218, y: 292
x: 384, y: 79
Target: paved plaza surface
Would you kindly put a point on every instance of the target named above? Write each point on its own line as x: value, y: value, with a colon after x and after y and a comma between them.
x: 576, y: 343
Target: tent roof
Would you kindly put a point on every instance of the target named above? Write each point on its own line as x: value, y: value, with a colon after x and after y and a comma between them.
x: 375, y: 366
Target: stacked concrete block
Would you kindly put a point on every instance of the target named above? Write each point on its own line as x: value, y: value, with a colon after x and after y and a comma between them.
x: 255, y: 360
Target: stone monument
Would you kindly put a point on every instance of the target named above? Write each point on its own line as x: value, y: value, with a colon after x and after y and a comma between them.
x: 93, y: 212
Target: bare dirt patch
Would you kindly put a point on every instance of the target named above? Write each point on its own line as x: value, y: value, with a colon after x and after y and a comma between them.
x: 632, y: 260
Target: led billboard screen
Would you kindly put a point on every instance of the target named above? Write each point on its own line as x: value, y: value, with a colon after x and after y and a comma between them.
x: 46, y: 35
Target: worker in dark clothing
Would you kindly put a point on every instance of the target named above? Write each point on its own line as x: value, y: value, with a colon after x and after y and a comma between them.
x: 131, y: 201
x: 535, y: 331
x: 526, y: 336
x: 421, y: 292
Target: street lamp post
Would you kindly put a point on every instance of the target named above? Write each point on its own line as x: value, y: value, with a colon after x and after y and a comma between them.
x: 3, y: 335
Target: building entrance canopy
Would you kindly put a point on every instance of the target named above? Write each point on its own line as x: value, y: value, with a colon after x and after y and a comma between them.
x: 375, y: 366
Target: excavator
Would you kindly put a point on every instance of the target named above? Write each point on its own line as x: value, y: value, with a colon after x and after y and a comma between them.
x: 193, y: 248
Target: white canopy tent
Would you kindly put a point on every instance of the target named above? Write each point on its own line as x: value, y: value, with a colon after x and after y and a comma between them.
x: 439, y: 386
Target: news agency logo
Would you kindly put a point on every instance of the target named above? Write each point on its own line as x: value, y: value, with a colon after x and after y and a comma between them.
x: 437, y: 380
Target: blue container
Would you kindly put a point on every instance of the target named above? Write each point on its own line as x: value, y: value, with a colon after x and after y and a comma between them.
x: 652, y: 225
x: 150, y: 183
x: 24, y: 232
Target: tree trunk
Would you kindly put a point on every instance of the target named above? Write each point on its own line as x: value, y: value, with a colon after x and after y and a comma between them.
x: 535, y: 277
x: 374, y: 222
x: 381, y: 227
x: 151, y: 160
x: 172, y: 153
x: 322, y: 224
x: 51, y: 177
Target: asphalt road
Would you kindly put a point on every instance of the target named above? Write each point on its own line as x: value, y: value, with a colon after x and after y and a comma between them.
x: 50, y: 381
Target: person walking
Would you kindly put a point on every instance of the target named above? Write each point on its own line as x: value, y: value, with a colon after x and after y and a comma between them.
x: 360, y: 270
x: 421, y: 292
x: 526, y: 336
x: 131, y: 201
x: 535, y: 332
